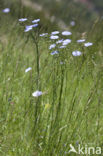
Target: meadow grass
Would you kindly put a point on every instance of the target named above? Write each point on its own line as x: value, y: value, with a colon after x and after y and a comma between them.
x: 69, y: 111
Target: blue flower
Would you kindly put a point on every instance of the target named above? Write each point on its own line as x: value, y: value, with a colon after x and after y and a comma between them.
x: 54, y: 52
x: 28, y: 69
x: 29, y: 27
x: 43, y: 34
x: 65, y: 42
x: 88, y: 44
x: 52, y: 46
x: 59, y: 41
x: 37, y: 93
x: 80, y: 41
x: 66, y: 33
x: 54, y: 37
x: 55, y: 32
x: 36, y: 21
x: 34, y: 25
x: 61, y: 47
x: 6, y: 10
x: 22, y: 19
x: 72, y: 23
x: 76, y: 53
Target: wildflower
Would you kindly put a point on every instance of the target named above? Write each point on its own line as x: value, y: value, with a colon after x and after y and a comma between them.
x: 67, y: 41
x: 44, y: 34
x: 80, y: 41
x: 28, y: 26
x: 59, y: 41
x: 36, y: 21
x: 55, y: 32
x: 52, y: 46
x: 54, y: 52
x: 28, y: 29
x: 88, y: 44
x: 54, y: 37
x: 72, y: 23
x: 22, y: 19
x: 37, y: 93
x: 28, y: 69
x: 34, y: 25
x: 76, y: 53
x: 6, y: 10
x: 61, y: 47
x: 66, y: 33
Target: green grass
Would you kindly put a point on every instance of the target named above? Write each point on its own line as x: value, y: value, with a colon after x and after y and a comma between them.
x: 70, y: 110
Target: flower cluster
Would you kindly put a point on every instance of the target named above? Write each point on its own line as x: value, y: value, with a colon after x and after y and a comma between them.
x: 55, y: 38
x: 30, y: 27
